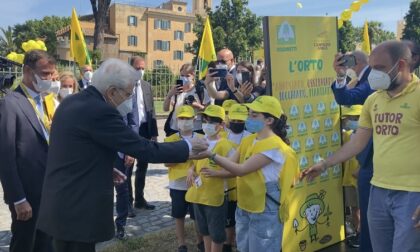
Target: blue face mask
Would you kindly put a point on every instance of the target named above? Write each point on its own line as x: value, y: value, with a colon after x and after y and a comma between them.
x: 352, y: 125
x: 254, y: 126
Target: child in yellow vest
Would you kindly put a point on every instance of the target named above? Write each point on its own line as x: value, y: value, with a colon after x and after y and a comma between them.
x: 235, y: 132
x: 178, y: 175
x: 264, y: 163
x: 208, y: 194
x: 226, y: 106
x: 349, y: 122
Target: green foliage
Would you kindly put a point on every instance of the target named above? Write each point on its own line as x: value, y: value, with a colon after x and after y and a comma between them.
x: 95, y: 56
x: 350, y: 36
x: 161, y: 78
x: 234, y: 26
x: 412, y: 20
x: 40, y: 29
x: 7, y: 43
x: 347, y: 37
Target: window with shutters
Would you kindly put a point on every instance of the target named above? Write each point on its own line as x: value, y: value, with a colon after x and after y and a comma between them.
x: 188, y: 27
x: 178, y: 55
x: 132, y: 40
x: 157, y: 63
x: 178, y: 35
x: 132, y: 21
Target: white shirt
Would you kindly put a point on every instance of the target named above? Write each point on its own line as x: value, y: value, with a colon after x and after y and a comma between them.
x: 237, y: 138
x: 272, y: 170
x: 180, y: 101
x: 343, y: 83
x: 140, y: 103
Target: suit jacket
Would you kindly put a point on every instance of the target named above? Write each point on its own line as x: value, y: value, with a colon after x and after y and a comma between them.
x: 23, y: 150
x: 224, y: 86
x: 77, y: 197
x: 149, y: 112
x: 356, y: 95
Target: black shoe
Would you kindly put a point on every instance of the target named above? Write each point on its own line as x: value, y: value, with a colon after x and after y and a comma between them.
x: 144, y: 205
x: 131, y: 213
x: 200, y: 247
x: 121, y: 235
x: 353, y: 241
x: 182, y: 248
x: 227, y: 248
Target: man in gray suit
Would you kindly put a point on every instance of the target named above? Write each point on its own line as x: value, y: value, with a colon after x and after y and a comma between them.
x: 143, y: 118
x: 87, y: 131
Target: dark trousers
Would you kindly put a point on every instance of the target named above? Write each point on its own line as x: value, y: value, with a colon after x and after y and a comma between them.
x: 363, y: 185
x: 140, y: 180
x: 25, y: 236
x: 123, y: 202
x: 72, y: 246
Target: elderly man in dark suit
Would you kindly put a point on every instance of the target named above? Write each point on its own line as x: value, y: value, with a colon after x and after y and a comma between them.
x: 24, y: 133
x: 88, y: 130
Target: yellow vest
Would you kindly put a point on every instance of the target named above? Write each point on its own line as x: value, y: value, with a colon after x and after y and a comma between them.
x: 350, y: 166
x: 179, y: 170
x: 251, y: 187
x: 231, y: 182
x: 212, y: 190
x: 49, y: 106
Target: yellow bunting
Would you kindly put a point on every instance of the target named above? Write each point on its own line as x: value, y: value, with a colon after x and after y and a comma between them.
x: 346, y: 15
x: 355, y: 6
x: 340, y: 23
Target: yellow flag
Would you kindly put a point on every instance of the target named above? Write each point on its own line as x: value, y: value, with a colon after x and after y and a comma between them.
x: 78, y: 49
x: 366, y: 40
x: 207, y: 53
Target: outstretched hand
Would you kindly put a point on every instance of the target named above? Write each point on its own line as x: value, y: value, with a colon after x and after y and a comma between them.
x: 314, y: 171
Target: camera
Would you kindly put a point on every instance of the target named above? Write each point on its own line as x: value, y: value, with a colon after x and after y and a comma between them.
x: 189, y: 100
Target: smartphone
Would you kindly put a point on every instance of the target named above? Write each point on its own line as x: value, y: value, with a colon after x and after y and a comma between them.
x: 179, y: 83
x: 349, y: 60
x: 221, y: 73
x: 246, y: 77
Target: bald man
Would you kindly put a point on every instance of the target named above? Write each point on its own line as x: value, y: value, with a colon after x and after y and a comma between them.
x: 390, y: 116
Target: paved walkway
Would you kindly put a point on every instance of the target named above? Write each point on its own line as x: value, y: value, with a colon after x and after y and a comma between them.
x: 146, y: 221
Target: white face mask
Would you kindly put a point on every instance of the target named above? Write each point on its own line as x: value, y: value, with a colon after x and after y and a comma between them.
x: 64, y: 92
x: 185, y: 80
x: 239, y: 78
x: 55, y: 87
x: 209, y: 129
x: 41, y: 85
x: 185, y: 125
x: 88, y: 76
x: 379, y: 80
x: 125, y: 107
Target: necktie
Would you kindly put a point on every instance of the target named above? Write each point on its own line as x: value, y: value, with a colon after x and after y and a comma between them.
x: 135, y: 106
x: 39, y: 106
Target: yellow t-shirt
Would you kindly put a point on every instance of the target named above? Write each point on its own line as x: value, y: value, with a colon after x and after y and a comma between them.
x: 396, y: 136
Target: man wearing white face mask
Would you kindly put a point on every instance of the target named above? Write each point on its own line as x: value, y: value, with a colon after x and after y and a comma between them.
x: 88, y: 130
x: 25, y: 131
x: 86, y: 74
x: 142, y: 119
x: 390, y: 115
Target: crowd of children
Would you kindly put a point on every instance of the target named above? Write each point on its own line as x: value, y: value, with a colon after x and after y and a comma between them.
x: 240, y: 187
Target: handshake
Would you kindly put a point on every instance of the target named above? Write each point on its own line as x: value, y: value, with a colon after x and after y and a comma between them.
x: 199, y: 149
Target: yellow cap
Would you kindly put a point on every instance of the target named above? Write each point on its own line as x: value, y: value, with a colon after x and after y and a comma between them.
x: 215, y: 111
x: 354, y: 110
x: 266, y: 104
x: 238, y: 112
x: 185, y: 111
x: 227, y: 104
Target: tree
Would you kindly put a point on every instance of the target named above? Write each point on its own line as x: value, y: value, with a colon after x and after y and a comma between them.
x: 376, y: 32
x: 100, y: 11
x: 412, y: 22
x: 234, y: 26
x: 7, y: 41
x: 347, y: 37
x: 44, y: 29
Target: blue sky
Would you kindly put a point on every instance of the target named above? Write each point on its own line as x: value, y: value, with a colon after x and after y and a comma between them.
x: 385, y: 11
